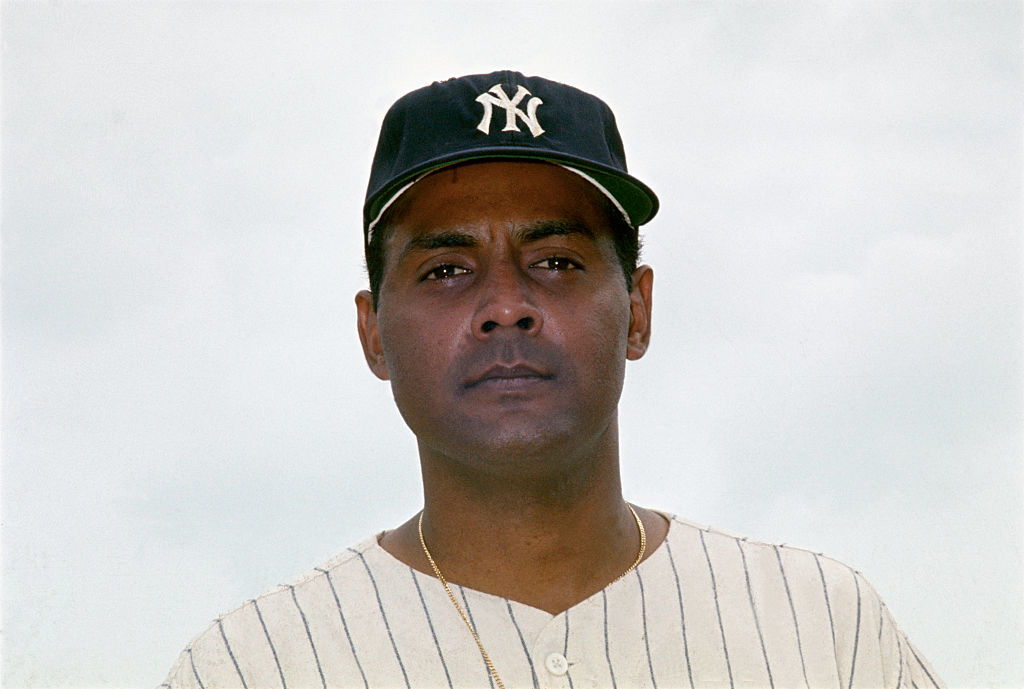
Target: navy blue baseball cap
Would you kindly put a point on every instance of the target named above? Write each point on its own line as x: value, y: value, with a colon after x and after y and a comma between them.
x: 502, y: 115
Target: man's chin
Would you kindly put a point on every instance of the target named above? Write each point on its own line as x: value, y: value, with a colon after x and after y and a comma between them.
x: 525, y: 452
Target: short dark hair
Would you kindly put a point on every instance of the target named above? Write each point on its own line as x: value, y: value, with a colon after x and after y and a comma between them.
x: 625, y: 237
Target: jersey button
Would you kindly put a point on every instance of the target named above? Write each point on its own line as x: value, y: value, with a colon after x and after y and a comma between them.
x: 557, y: 664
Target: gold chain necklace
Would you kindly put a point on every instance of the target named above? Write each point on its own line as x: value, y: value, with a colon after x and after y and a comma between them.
x: 462, y: 614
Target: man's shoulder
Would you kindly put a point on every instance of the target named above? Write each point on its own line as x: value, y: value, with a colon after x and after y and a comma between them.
x: 791, y: 596
x: 276, y: 618
x: 328, y: 572
x: 712, y: 537
x: 801, y: 571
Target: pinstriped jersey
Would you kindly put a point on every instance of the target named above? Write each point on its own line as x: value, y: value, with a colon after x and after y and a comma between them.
x: 705, y: 610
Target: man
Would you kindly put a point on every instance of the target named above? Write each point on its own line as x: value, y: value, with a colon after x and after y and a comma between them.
x: 505, y: 298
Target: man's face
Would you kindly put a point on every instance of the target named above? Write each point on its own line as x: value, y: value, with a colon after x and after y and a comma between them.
x: 503, y: 321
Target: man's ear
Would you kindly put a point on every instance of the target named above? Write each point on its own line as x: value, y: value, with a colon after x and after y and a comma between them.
x: 369, y: 335
x: 640, y: 312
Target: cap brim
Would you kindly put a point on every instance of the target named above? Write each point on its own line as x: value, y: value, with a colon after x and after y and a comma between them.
x: 635, y: 197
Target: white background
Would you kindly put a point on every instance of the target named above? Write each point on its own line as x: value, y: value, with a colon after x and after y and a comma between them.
x: 187, y: 418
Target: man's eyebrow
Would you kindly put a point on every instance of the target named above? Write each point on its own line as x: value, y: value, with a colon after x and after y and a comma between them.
x: 532, y: 232
x: 543, y: 229
x: 438, y: 240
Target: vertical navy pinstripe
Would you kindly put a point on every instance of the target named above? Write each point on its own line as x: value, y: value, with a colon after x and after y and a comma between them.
x: 231, y: 654
x: 384, y: 616
x: 828, y: 607
x: 469, y: 613
x: 881, y: 620
x: 195, y: 673
x: 792, y: 609
x: 430, y: 624
x: 856, y: 634
x: 273, y: 651
x: 753, y: 610
x: 607, y: 653
x: 899, y: 648
x: 565, y: 646
x: 718, y: 609
x: 682, y: 616
x: 309, y: 635
x: 522, y: 641
x: 647, y: 641
x: 344, y: 625
x: 921, y: 664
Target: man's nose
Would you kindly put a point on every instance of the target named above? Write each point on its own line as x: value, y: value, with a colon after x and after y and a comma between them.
x: 506, y: 301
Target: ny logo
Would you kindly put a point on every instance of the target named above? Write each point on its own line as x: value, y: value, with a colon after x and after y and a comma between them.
x: 496, y: 96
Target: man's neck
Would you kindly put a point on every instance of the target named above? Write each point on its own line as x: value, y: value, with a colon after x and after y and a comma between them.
x: 549, y: 542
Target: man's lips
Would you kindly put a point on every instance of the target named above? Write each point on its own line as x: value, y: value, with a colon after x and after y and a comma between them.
x: 508, y: 376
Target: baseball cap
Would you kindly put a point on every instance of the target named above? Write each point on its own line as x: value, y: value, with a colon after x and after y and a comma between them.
x: 502, y: 115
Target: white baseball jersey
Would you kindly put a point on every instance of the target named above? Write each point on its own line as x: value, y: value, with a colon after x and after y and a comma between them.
x: 705, y: 610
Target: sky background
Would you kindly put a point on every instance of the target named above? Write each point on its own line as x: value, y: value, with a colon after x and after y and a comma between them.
x: 187, y: 418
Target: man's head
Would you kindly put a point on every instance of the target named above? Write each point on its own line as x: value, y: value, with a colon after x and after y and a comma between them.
x: 502, y: 115
x: 498, y: 313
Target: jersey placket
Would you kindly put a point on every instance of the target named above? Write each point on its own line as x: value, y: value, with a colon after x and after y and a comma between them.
x: 549, y: 655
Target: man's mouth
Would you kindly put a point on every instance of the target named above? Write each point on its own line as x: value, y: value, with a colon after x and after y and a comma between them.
x: 508, y: 377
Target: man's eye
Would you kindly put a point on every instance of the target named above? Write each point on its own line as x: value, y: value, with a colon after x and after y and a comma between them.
x: 557, y: 263
x: 444, y: 272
